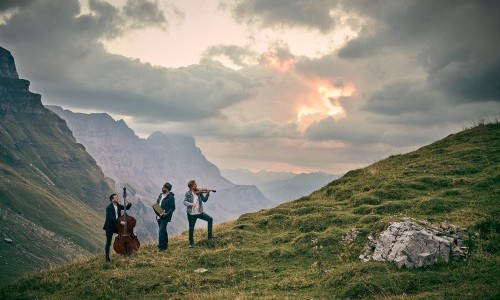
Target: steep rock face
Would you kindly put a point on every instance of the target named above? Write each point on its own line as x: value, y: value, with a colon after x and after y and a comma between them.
x: 145, y: 164
x: 16, y: 98
x: 182, y: 161
x: 47, y: 180
x: 114, y: 145
x: 7, y: 65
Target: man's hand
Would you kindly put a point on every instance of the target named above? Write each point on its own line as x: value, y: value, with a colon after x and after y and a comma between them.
x: 163, y: 214
x: 122, y: 222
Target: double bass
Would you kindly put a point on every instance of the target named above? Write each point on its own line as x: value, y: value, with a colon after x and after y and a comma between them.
x: 126, y: 242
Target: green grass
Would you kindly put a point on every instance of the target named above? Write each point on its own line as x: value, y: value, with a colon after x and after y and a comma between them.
x: 272, y: 254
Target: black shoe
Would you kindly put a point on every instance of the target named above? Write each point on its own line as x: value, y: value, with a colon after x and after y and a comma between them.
x: 191, y: 245
x: 108, y: 260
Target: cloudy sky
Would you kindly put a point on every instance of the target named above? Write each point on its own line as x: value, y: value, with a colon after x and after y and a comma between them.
x: 284, y: 85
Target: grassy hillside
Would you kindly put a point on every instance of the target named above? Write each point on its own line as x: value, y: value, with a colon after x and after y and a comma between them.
x: 295, y: 251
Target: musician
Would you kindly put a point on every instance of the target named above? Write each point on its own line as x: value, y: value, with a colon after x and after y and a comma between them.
x: 113, y: 212
x: 167, y: 201
x: 194, y: 199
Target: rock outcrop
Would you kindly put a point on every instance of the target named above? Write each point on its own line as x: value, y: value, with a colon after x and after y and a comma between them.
x: 413, y: 245
x: 14, y: 92
x: 7, y: 65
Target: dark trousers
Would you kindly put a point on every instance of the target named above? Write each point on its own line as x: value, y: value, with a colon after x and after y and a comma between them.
x: 109, y: 237
x: 163, y: 234
x: 192, y: 221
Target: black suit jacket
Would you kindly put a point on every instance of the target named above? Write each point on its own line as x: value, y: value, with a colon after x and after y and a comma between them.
x: 111, y: 223
x: 168, y: 205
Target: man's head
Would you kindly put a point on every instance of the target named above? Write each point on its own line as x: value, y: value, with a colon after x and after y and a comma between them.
x: 113, y: 198
x: 192, y: 184
x: 167, y: 187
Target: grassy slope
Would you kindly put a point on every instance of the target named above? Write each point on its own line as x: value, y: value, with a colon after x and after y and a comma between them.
x: 48, y: 185
x: 270, y: 255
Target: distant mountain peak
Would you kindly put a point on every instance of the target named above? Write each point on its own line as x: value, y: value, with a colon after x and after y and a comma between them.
x: 7, y: 65
x: 103, y: 120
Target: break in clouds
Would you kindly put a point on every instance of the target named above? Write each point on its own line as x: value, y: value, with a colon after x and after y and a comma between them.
x: 414, y: 72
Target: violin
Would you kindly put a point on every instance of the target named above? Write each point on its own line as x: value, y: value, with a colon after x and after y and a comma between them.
x: 200, y: 191
x: 126, y: 242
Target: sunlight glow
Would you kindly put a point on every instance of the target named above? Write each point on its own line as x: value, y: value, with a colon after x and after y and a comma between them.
x: 322, y: 103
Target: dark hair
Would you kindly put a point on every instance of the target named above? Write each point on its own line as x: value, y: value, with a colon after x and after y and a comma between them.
x: 191, y: 182
x: 168, y: 186
x: 111, y: 197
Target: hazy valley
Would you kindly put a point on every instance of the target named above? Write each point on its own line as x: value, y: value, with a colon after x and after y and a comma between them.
x: 280, y: 186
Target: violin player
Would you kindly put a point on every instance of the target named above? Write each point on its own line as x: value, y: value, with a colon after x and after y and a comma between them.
x: 113, y: 212
x: 193, y: 200
x: 167, y: 201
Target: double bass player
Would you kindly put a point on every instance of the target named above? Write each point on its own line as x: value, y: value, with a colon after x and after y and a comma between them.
x: 113, y: 213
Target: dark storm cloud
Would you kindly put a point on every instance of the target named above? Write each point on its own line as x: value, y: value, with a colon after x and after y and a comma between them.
x: 236, y: 54
x: 59, y: 23
x: 469, y: 81
x: 364, y: 132
x: 278, y: 13
x: 328, y: 66
x: 399, y: 98
x: 119, y: 85
x: 144, y: 13
x: 10, y: 4
x: 58, y: 50
x: 455, y: 42
x: 105, y: 21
